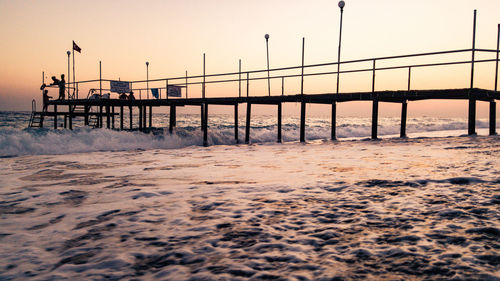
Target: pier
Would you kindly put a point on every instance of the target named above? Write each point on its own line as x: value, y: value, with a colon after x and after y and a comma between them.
x: 102, y: 112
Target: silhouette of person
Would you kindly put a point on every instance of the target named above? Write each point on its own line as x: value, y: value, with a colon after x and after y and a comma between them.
x: 123, y: 96
x: 46, y: 98
x: 62, y: 88
x: 131, y: 96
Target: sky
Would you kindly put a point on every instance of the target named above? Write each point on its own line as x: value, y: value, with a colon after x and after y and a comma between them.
x: 172, y: 36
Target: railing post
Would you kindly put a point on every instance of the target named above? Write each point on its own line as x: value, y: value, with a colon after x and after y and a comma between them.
x: 248, y: 84
x: 239, y: 79
x: 282, y: 85
x: 374, y: 106
x: 186, y: 84
x: 302, y: 68
x: 203, y: 84
x: 472, y: 99
x: 100, y: 78
x: 166, y: 89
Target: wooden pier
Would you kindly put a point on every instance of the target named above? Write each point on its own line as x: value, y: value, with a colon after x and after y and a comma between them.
x: 115, y: 108
x: 93, y: 111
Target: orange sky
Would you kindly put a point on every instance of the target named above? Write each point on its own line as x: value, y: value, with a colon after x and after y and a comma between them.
x: 173, y: 35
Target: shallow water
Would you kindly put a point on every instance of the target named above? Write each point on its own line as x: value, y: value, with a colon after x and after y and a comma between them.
x: 411, y: 209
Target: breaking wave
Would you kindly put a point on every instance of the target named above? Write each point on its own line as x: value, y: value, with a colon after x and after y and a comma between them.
x: 15, y: 141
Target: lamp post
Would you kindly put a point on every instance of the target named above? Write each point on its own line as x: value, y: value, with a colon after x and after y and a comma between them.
x: 68, y: 53
x: 147, y: 79
x: 341, y: 6
x: 334, y: 103
x: 268, y: 79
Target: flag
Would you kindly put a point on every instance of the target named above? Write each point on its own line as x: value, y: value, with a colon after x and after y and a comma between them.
x: 76, y: 48
x: 154, y: 92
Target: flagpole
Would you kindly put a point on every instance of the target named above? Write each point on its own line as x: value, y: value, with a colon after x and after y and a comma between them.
x: 74, y: 80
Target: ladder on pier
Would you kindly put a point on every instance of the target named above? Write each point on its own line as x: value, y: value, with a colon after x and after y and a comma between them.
x: 93, y: 119
x: 36, y: 119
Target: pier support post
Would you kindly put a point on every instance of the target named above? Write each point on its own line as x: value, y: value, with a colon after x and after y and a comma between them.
x: 144, y: 119
x: 175, y: 116
x: 202, y: 113
x: 493, y: 117
x: 334, y: 120
x: 374, y: 118
x: 55, y: 116
x: 302, y: 121
x: 70, y: 117
x: 121, y: 117
x: 472, y: 116
x: 100, y: 116
x: 86, y: 117
x: 404, y: 110
x: 279, y: 121
x: 130, y: 119
x: 140, y: 118
x: 65, y: 121
x: 205, y: 125
x: 247, y: 127
x: 171, y: 118
x: 236, y: 122
x: 113, y: 117
x: 108, y: 119
x: 150, y: 116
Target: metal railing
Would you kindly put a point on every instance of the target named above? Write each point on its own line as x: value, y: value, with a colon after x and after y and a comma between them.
x: 262, y: 74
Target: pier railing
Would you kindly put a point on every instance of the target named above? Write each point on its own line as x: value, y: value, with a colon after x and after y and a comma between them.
x: 284, y: 74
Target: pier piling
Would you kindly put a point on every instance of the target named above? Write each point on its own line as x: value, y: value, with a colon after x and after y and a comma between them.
x: 236, y: 120
x: 334, y: 121
x: 108, y: 118
x: 130, y: 110
x: 150, y: 116
x: 279, y: 121
x: 302, y: 121
x: 55, y: 116
x: 121, y: 117
x: 171, y: 118
x: 205, y: 125
x: 404, y: 109
x: 247, y: 125
x: 493, y: 118
x: 140, y: 118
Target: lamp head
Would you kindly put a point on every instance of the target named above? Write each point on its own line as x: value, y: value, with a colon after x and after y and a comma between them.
x: 266, y: 36
x: 341, y: 4
x: 147, y: 63
x: 68, y: 53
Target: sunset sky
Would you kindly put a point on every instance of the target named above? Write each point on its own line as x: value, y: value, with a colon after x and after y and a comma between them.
x: 173, y: 35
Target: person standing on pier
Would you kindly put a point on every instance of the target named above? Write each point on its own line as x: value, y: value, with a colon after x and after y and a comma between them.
x: 46, y: 98
x: 61, y: 84
x: 62, y: 88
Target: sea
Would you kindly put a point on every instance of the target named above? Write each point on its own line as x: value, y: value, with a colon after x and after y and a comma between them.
x: 104, y: 204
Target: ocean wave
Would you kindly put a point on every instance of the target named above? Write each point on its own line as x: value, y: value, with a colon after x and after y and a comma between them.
x: 16, y: 142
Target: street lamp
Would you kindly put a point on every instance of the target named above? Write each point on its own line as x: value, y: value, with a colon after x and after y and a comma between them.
x: 68, y: 53
x: 147, y: 78
x: 341, y: 6
x: 268, y: 79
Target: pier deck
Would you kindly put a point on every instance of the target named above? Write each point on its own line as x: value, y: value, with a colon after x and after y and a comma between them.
x: 106, y: 107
